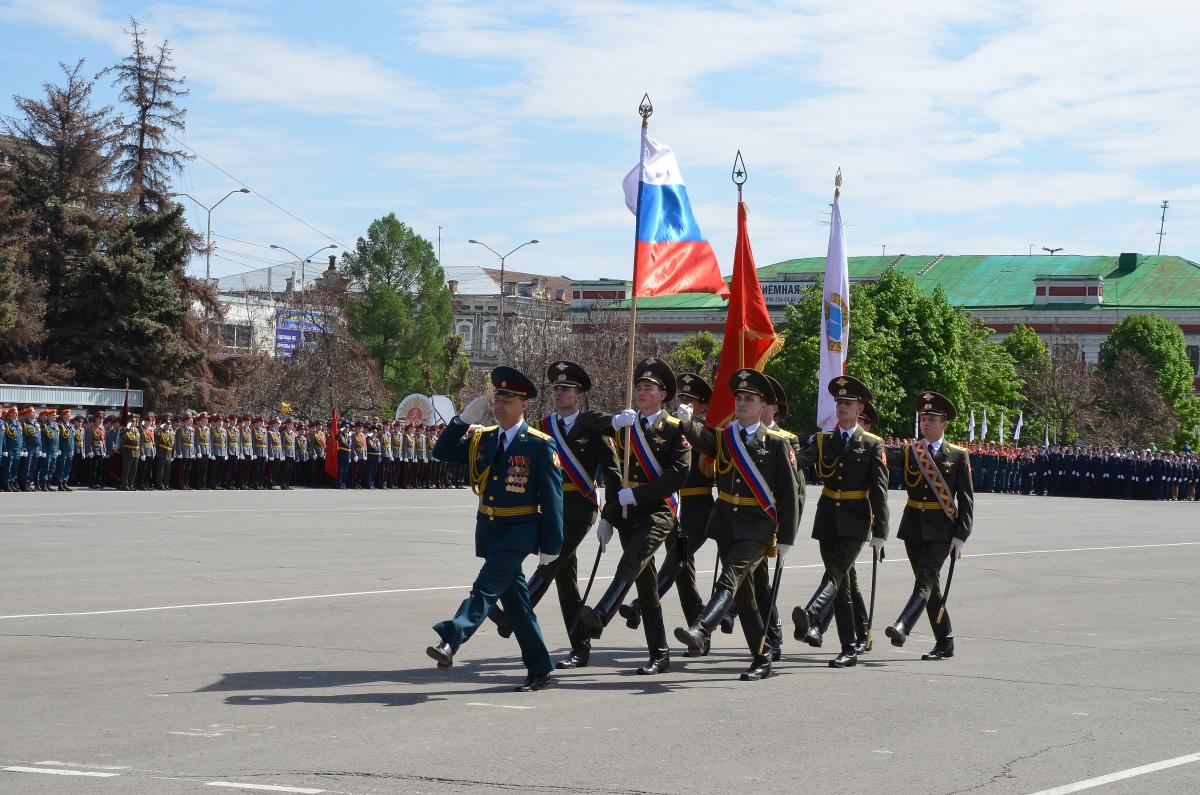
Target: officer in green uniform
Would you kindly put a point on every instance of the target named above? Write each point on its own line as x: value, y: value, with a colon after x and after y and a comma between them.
x: 164, y: 440
x: 643, y: 506
x: 515, y: 471
x: 937, y: 519
x: 131, y: 452
x: 853, y: 507
x: 755, y: 517
x: 586, y: 455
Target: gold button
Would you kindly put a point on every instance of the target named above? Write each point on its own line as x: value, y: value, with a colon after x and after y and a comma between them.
x: 492, y: 499
x: 735, y: 509
x: 840, y: 477
x: 837, y: 505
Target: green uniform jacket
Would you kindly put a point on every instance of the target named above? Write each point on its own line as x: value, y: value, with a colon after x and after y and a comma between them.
x: 528, y: 476
x: 859, y: 468
x: 594, y: 451
x: 773, y: 457
x: 673, y: 452
x: 933, y: 524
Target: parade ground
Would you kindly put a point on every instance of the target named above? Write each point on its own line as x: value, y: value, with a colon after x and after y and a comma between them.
x: 271, y: 641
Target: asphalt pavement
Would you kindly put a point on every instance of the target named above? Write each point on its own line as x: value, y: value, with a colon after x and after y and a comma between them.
x: 275, y: 641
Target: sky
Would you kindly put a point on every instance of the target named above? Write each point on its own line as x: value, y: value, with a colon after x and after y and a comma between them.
x: 959, y: 127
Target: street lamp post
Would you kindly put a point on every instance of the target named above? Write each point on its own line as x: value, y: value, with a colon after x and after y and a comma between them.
x: 303, y: 262
x: 500, y: 330
x: 209, y: 211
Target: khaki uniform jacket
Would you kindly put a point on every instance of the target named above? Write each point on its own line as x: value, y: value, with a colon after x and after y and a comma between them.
x: 853, y: 502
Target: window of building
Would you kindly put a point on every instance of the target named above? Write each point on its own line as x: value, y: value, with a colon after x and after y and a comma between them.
x: 464, y: 331
x: 234, y: 336
x: 490, y: 337
x: 1194, y: 357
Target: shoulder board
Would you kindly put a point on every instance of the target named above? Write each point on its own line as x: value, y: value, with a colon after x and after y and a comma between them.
x: 534, y: 432
x: 782, y: 434
x: 957, y: 447
x: 669, y: 420
x: 871, y: 436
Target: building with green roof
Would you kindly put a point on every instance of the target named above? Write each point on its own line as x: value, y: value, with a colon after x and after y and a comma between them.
x: 1072, y: 301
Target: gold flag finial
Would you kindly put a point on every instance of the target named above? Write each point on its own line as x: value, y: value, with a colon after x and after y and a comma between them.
x: 646, y: 109
x: 837, y: 183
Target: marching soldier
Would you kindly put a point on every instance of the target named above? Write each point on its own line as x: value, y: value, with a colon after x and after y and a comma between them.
x: 758, y: 509
x: 515, y: 471
x: 853, y: 506
x: 937, y: 519
x: 644, y: 506
x: 586, y: 454
x: 695, y: 505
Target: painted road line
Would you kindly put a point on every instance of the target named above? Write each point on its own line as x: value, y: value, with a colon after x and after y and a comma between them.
x: 58, y: 772
x: 497, y: 706
x: 388, y: 591
x: 261, y: 787
x: 1121, y: 775
x: 172, y: 512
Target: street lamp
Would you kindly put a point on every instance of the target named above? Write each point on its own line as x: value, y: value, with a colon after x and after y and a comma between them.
x: 502, y: 258
x: 209, y: 210
x: 303, y: 262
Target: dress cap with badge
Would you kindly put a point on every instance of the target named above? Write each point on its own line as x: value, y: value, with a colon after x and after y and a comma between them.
x: 847, y: 387
x: 567, y: 373
x: 510, y: 381
x: 753, y: 382
x: 780, y: 397
x: 932, y: 403
x: 691, y: 385
x: 870, y: 414
x: 656, y: 371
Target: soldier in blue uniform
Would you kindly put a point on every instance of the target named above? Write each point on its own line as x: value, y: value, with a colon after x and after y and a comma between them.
x: 14, y: 447
x: 516, y: 473
x: 66, y: 451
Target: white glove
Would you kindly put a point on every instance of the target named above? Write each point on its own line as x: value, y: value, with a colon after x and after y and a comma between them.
x: 475, y: 411
x: 781, y: 551
x: 877, y: 544
x: 625, y: 497
x: 684, y: 413
x: 604, y: 533
x: 546, y: 558
x: 625, y: 419
x: 41, y: 455
x: 956, y: 546
x: 24, y: 454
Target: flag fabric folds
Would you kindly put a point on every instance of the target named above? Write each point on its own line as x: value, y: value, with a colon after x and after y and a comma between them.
x: 983, y: 431
x: 750, y: 338
x: 331, y: 447
x: 673, y: 256
x: 971, y: 428
x: 1020, y: 425
x: 835, y: 319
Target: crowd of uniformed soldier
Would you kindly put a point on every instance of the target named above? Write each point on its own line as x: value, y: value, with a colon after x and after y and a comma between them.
x: 1081, y: 471
x: 54, y: 450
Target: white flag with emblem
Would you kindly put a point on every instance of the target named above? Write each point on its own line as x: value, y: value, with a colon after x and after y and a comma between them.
x: 835, y: 318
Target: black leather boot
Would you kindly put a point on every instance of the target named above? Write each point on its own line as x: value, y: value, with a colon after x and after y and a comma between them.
x: 729, y: 620
x: 775, y: 636
x: 943, y: 633
x: 597, y: 618
x: 844, y: 615
x: 898, y: 632
x: 860, y: 621
x: 816, y: 633
x: 804, y: 617
x: 753, y: 629
x: 581, y: 651
x: 697, y: 635
x: 656, y: 641
x: 632, y: 613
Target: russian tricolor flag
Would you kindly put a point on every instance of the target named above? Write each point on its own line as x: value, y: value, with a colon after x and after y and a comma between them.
x: 673, y: 255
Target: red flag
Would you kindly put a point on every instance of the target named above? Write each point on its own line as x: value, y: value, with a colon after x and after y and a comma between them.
x: 331, y: 448
x: 750, y: 338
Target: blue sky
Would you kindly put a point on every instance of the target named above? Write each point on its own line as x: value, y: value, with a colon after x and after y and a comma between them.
x: 964, y: 127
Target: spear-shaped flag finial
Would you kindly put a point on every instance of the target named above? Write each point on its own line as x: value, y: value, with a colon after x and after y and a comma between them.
x: 739, y: 175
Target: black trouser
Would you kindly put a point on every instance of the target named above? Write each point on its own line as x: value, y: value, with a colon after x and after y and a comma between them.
x: 926, y: 559
x: 184, y: 465
x: 641, y: 535
x: 838, y: 554
x: 200, y: 474
x: 740, y: 562
x: 564, y: 572
x: 98, y: 463
x: 259, y: 478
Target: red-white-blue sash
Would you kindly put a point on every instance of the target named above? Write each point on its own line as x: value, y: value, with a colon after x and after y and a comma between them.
x: 754, y: 478
x: 566, y: 457
x: 650, y: 465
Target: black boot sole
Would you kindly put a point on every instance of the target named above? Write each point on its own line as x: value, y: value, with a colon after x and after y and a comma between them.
x: 850, y: 663
x: 656, y: 667
x: 800, y: 619
x: 684, y: 635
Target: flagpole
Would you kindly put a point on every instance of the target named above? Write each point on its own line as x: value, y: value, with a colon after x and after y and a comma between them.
x: 739, y: 177
x: 645, y: 110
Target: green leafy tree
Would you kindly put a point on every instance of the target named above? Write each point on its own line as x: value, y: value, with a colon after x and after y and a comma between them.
x: 1161, y: 343
x: 1025, y: 347
x: 696, y: 353
x: 404, y: 314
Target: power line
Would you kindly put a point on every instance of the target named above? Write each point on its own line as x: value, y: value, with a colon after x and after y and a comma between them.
x: 237, y: 240
x: 256, y: 193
